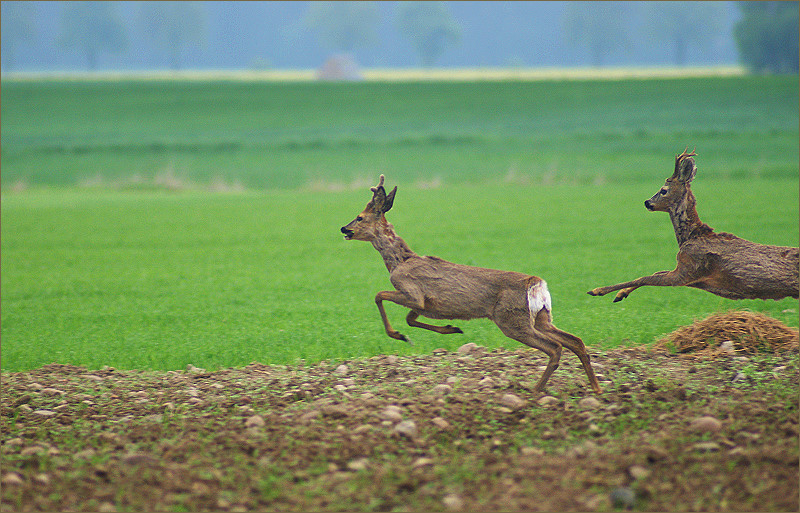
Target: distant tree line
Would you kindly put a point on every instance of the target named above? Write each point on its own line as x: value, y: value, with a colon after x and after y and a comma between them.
x: 766, y: 35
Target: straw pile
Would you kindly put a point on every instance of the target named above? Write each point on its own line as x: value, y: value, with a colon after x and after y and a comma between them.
x: 748, y: 332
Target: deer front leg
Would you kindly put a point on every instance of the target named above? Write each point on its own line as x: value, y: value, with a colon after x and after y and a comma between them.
x: 411, y: 319
x: 395, y: 297
x: 659, y: 279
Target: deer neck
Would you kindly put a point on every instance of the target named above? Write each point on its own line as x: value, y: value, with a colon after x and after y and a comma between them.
x: 392, y: 247
x: 686, y: 221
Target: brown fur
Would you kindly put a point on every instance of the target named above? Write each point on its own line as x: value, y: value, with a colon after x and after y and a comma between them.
x: 438, y: 289
x: 720, y: 263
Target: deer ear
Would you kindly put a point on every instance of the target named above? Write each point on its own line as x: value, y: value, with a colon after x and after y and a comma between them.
x: 387, y: 204
x: 685, y: 169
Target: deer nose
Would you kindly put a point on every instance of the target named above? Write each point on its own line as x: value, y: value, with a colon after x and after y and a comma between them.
x: 648, y: 205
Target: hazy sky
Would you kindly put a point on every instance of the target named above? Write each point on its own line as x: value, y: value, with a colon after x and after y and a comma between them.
x: 242, y: 35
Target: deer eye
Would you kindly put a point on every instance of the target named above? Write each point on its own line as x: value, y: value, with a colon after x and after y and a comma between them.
x: 359, y: 218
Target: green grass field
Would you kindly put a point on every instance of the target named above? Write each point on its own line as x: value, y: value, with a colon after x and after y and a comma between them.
x: 119, y: 248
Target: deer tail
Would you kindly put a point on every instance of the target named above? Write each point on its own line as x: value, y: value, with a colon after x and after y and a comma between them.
x: 539, y: 298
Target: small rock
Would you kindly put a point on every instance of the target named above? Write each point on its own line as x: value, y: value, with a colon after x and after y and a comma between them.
x: 512, y: 401
x: 706, y: 424
x: 12, y: 479
x: 706, y: 446
x: 44, y: 413
x: 453, y: 502
x: 192, y: 368
x: 486, y: 382
x: 340, y: 388
x: 358, y: 464
x: 740, y: 376
x: 531, y: 451
x: 441, y: 389
x: 334, y: 411
x: 440, y: 423
x: 638, y: 472
x: 727, y: 348
x: 467, y: 348
x: 589, y: 403
x: 548, y: 400
x: 622, y: 497
x: 421, y: 462
x: 33, y: 449
x: 42, y: 479
x: 406, y: 428
x: 52, y: 391
x: 392, y: 414
x: 254, y: 421
x: 106, y: 507
x: 341, y: 370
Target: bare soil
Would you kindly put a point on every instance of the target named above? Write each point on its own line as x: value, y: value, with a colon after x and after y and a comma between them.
x: 452, y: 430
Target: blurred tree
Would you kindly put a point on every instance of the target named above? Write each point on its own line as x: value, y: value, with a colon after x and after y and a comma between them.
x: 17, y: 29
x: 767, y: 36
x: 603, y: 27
x: 92, y: 27
x: 173, y: 26
x: 683, y: 24
x: 343, y: 26
x: 430, y: 26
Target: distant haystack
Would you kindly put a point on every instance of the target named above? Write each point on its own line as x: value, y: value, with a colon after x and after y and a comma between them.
x: 744, y: 332
x: 340, y: 67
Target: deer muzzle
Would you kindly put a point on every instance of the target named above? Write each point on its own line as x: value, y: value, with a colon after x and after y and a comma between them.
x: 348, y: 234
x: 649, y: 205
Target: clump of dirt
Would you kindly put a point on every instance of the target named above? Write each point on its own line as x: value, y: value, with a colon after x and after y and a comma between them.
x: 745, y: 333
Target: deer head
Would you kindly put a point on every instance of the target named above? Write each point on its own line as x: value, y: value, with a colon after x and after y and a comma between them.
x: 676, y: 186
x: 364, y: 226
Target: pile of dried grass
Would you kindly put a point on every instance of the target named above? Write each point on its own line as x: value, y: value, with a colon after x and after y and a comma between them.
x: 749, y: 332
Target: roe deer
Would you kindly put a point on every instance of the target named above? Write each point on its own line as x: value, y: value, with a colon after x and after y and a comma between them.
x: 720, y: 263
x: 431, y: 287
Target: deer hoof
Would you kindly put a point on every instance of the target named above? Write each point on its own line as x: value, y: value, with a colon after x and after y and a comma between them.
x: 620, y: 297
x: 398, y: 336
x: 595, y: 292
x: 452, y: 329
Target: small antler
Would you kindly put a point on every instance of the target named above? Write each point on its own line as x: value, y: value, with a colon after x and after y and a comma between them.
x: 380, y: 184
x: 684, y: 154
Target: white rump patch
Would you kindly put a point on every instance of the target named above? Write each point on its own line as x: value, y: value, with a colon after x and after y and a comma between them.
x: 539, y: 297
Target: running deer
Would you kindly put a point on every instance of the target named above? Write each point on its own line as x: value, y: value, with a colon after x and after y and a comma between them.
x: 519, y: 304
x: 720, y: 263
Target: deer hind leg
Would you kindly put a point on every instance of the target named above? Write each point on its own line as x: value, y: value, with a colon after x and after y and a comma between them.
x: 411, y: 319
x: 543, y: 322
x: 520, y: 328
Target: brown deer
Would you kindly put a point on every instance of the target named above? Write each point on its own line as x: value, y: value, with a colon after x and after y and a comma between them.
x: 519, y: 304
x: 720, y: 263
